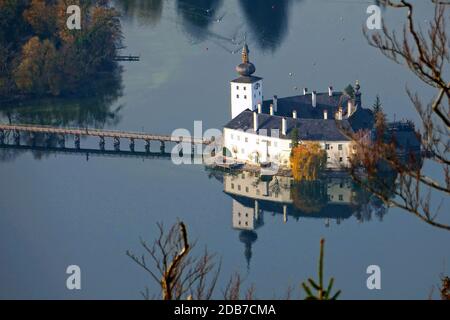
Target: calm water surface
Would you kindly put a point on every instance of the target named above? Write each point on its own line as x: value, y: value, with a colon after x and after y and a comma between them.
x: 63, y: 209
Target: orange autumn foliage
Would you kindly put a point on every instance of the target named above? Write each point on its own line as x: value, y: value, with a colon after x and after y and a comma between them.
x: 307, y: 161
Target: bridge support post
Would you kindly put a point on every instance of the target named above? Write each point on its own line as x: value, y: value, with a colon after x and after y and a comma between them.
x: 2, y: 137
x: 62, y: 141
x: 77, y: 141
x: 147, y: 146
x: 117, y: 144
x: 16, y: 136
x: 131, y: 144
x: 101, y: 143
x: 163, y: 147
x: 47, y: 139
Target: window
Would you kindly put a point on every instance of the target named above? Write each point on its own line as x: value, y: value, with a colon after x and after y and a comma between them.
x: 231, y: 136
x: 239, y: 187
x: 245, y: 96
x: 340, y: 159
x: 239, y: 214
x: 245, y: 88
x: 260, y: 93
x: 341, y: 197
x: 238, y: 138
x: 339, y: 146
x: 232, y: 186
x: 246, y: 189
x: 237, y: 87
x: 327, y: 146
x: 237, y: 96
x: 254, y: 95
x: 246, y: 215
x: 246, y: 139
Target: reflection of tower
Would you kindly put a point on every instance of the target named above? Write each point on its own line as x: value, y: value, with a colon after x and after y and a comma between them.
x: 248, y: 237
x: 246, y: 91
x: 247, y: 219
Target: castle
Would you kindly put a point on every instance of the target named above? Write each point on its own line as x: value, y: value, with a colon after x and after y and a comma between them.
x: 260, y: 130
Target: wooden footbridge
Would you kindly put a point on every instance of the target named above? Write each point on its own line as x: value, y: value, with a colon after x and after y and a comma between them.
x: 61, y: 135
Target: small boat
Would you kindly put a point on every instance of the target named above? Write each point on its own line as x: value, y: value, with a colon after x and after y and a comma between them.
x: 268, y: 169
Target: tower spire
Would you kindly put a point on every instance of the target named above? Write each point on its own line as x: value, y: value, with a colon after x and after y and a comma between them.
x: 246, y: 68
x: 245, y: 53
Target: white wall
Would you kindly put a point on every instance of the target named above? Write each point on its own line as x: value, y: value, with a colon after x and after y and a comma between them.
x: 250, y: 147
x: 245, y: 96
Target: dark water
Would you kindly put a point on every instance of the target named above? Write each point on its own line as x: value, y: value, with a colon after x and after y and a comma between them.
x: 62, y: 209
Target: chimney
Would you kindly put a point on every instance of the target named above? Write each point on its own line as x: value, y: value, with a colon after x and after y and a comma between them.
x: 325, y: 114
x: 255, y: 121
x: 275, y: 103
x: 350, y: 108
x: 294, y: 114
x: 330, y: 91
x: 259, y: 108
x: 305, y: 91
x: 283, y: 126
x: 314, y: 98
x: 271, y: 109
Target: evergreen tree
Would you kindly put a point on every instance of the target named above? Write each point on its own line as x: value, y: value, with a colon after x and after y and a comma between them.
x: 350, y: 91
x: 294, y: 138
x: 377, y: 106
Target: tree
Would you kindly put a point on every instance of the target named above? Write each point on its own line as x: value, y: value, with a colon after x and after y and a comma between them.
x: 38, y: 51
x: 42, y: 18
x: 445, y: 288
x: 294, y: 138
x: 322, y: 292
x: 307, y: 161
x: 350, y: 91
x: 426, y: 54
x: 179, y: 275
x: 377, y: 106
x: 37, y: 67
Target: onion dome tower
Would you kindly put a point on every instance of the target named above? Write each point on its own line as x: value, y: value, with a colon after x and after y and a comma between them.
x: 246, y: 91
x: 246, y: 68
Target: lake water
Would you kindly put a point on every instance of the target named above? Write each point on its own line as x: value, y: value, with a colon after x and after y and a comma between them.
x: 63, y: 209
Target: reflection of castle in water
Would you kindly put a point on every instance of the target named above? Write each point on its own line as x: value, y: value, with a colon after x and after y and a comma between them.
x: 333, y: 199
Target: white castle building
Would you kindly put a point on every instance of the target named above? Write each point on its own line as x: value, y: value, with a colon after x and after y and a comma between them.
x: 261, y: 130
